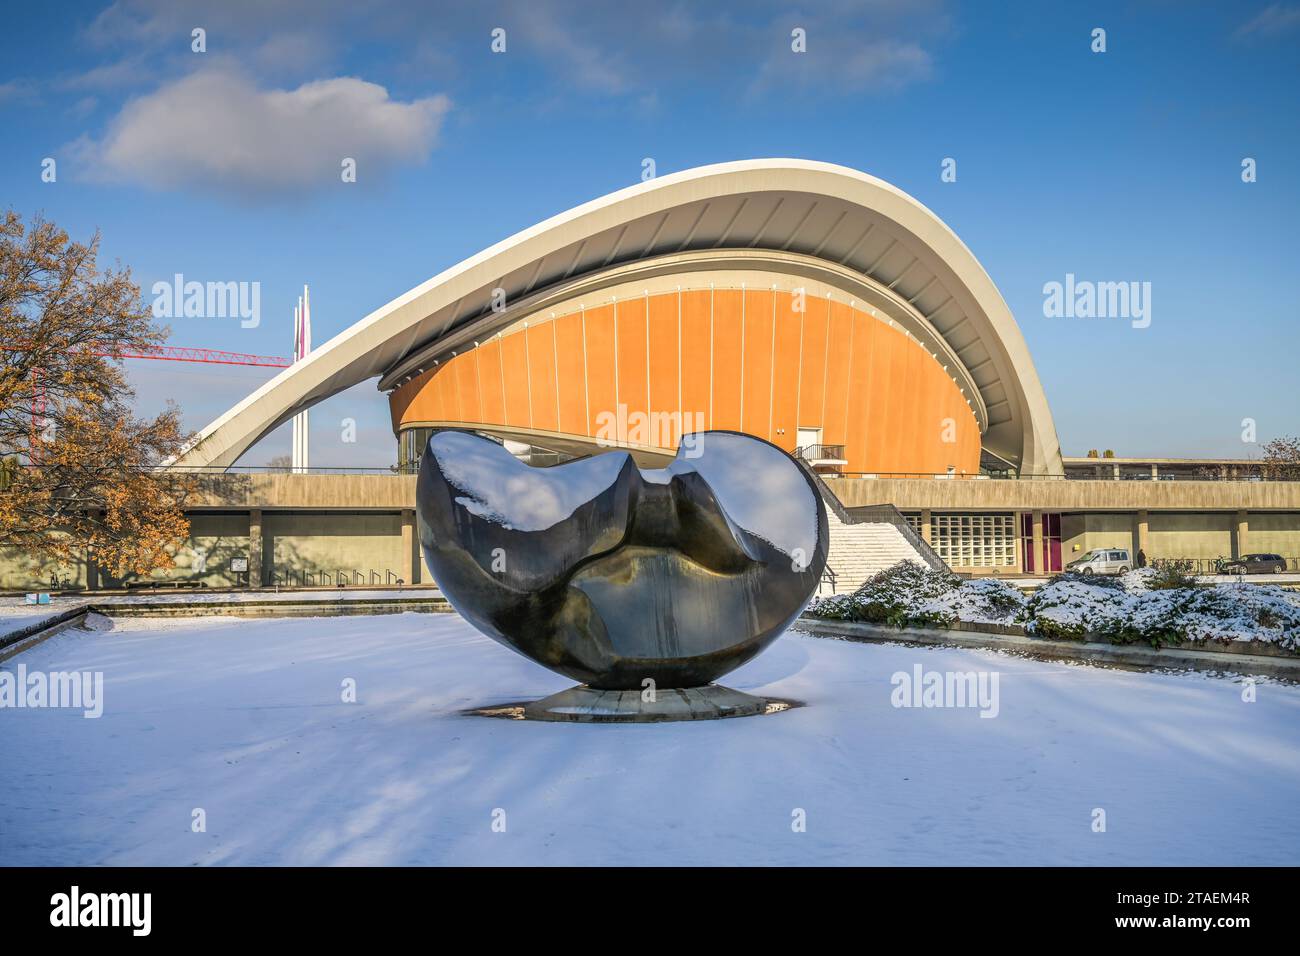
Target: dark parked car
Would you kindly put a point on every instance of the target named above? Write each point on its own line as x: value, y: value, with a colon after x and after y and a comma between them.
x: 1255, y: 564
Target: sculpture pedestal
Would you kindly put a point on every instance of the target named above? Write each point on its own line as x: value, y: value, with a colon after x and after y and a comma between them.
x: 584, y: 704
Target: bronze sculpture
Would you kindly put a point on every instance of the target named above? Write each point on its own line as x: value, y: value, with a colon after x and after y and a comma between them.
x: 623, y: 579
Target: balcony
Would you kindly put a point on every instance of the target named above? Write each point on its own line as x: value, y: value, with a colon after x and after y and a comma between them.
x: 827, y: 459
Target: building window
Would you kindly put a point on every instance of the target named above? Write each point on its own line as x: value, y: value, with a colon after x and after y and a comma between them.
x: 974, y: 540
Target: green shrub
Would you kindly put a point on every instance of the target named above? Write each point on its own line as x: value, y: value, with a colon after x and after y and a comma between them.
x: 888, y: 597
x: 1169, y: 575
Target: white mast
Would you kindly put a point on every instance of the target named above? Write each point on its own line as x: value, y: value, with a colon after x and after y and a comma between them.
x: 301, y: 349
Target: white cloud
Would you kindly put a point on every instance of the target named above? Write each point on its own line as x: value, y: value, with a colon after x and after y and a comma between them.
x: 1271, y: 21
x: 576, y: 47
x: 120, y: 74
x: 588, y: 65
x: 216, y: 129
x: 15, y: 91
x: 844, y: 64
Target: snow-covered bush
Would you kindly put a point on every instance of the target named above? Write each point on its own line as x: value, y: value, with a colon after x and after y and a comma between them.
x: 1092, y: 580
x: 1172, y: 574
x: 889, y: 597
x: 833, y: 607
x: 1147, y: 610
x: 981, y: 601
x: 911, y: 594
x: 1222, y: 613
x: 1071, y: 607
x: 1147, y: 605
x: 1165, y: 576
x: 1137, y: 581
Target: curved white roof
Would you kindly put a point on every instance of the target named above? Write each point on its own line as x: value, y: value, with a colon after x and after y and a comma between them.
x: 847, y: 218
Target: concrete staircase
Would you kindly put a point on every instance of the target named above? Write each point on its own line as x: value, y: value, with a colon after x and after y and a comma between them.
x: 866, y: 541
x: 862, y: 549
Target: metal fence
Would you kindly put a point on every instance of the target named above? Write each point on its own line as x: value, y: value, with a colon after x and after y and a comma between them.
x: 1204, y: 566
x: 339, y: 578
x: 820, y: 452
x: 410, y: 469
x: 1010, y: 476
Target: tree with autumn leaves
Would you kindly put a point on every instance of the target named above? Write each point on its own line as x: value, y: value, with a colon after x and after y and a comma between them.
x: 78, y: 468
x: 1282, y: 459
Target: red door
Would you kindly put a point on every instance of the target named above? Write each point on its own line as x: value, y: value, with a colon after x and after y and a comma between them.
x: 1050, y: 558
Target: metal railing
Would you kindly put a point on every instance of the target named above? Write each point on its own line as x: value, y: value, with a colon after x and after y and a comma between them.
x: 828, y: 577
x: 815, y: 453
x: 885, y: 512
x: 964, y: 476
x: 891, y: 515
x: 540, y: 458
x: 943, y: 476
x: 407, y: 469
x: 305, y: 578
x: 1204, y: 566
x: 807, y: 453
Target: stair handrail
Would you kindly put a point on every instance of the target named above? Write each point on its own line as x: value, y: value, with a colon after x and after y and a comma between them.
x: 875, y: 514
x: 829, y: 577
x: 890, y: 513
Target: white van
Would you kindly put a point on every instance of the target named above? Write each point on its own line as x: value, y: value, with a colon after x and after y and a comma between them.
x: 1102, y: 561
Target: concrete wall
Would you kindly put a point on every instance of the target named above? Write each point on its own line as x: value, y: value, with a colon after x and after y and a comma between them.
x: 1068, y: 495
x: 1186, y: 534
x: 1275, y: 533
x: 1080, y: 533
x: 332, y: 542
x: 278, y: 490
x: 292, y: 541
x: 1189, y: 535
x: 202, y: 557
x: 19, y: 571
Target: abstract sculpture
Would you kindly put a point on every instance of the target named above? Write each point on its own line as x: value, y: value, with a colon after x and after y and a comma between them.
x: 648, y: 583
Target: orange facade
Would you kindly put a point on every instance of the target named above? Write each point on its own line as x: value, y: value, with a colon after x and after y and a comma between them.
x: 642, y: 370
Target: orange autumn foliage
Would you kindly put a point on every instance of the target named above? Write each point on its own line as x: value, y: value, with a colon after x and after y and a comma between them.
x: 80, y: 475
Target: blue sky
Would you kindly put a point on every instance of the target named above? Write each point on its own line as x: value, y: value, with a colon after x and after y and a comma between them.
x: 1115, y: 166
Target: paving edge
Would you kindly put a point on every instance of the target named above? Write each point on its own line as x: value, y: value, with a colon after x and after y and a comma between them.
x: 276, y: 608
x: 1114, y: 655
x: 29, y: 635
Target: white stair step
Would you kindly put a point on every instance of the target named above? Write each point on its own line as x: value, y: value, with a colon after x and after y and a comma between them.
x: 858, y: 551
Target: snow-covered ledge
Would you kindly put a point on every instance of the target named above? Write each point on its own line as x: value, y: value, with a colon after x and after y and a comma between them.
x: 1255, y: 658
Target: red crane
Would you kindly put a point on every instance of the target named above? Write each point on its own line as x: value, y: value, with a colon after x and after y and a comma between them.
x: 177, y: 353
x: 161, y: 353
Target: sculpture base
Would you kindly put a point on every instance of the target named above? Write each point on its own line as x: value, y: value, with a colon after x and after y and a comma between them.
x: 582, y: 704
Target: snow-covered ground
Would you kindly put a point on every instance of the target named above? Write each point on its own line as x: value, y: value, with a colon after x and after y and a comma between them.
x: 16, y: 615
x: 244, y: 719
x: 15, y: 612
